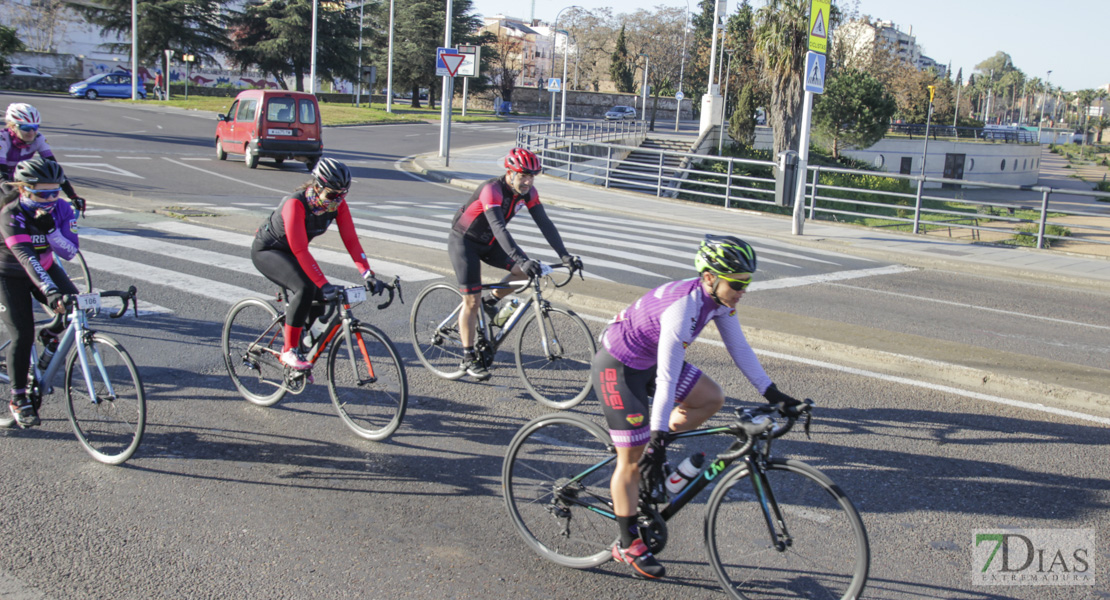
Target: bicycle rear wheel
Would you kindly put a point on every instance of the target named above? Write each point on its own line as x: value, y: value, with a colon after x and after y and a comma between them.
x: 558, y: 375
x: 371, y: 392
x: 828, y: 557
x: 252, y: 333
x: 555, y: 480
x: 110, y: 418
x: 434, y: 325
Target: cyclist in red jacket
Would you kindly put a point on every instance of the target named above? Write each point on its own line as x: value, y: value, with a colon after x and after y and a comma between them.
x: 280, y: 249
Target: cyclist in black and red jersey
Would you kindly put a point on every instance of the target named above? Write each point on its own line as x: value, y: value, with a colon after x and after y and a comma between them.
x: 280, y: 249
x: 479, y: 232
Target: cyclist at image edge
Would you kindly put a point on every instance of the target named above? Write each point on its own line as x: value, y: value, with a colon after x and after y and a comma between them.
x: 280, y: 249
x: 34, y: 229
x: 479, y: 233
x: 21, y: 139
x: 644, y: 347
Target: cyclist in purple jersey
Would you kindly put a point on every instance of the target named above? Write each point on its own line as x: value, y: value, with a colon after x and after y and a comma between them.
x: 642, y: 364
x: 21, y: 139
x: 34, y: 228
x: 479, y: 233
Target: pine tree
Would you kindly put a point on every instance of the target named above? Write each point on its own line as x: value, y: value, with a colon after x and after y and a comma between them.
x: 619, y: 68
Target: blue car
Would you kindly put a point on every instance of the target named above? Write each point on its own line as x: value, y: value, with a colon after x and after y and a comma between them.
x: 108, y: 85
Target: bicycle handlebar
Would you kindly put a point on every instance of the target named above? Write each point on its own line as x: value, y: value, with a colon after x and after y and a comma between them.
x: 391, y: 288
x: 128, y: 297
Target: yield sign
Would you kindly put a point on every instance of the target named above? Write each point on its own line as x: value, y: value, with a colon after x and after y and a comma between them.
x: 452, y: 62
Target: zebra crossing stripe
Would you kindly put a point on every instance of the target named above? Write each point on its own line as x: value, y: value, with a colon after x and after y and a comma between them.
x: 322, y: 255
x: 188, y: 284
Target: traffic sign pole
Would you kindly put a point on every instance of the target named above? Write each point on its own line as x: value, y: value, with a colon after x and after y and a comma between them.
x: 815, y: 70
x: 803, y: 163
x: 445, y: 99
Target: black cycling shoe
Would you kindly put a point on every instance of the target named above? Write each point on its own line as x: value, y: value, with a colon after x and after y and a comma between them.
x: 474, y: 368
x: 24, y: 412
x: 643, y: 563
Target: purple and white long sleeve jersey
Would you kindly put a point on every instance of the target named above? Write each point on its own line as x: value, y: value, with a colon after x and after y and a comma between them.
x: 658, y: 328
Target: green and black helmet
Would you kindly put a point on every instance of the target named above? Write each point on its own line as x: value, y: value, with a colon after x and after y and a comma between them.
x: 723, y: 254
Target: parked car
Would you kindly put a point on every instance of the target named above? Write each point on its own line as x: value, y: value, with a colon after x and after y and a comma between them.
x: 620, y: 112
x: 28, y: 71
x: 275, y: 124
x: 108, y: 85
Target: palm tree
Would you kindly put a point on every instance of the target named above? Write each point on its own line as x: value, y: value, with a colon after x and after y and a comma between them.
x: 781, y: 41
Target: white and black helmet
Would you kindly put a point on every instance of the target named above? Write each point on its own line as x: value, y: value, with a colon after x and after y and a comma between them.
x: 39, y: 170
x: 21, y: 113
x: 331, y: 173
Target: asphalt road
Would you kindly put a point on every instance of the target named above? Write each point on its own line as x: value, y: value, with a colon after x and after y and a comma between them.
x: 228, y: 500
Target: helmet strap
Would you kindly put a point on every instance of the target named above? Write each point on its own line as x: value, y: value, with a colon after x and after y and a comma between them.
x: 713, y: 289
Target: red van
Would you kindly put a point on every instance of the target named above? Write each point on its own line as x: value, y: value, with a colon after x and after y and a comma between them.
x: 273, y: 124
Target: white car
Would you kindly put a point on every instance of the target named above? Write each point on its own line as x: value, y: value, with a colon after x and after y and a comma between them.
x: 28, y: 71
x: 620, y: 112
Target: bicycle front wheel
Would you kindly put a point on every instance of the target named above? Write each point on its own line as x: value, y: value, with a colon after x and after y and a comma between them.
x: 252, y: 334
x: 434, y: 325
x: 555, y: 480
x: 367, y: 382
x: 557, y: 374
x: 108, y: 419
x: 827, y: 555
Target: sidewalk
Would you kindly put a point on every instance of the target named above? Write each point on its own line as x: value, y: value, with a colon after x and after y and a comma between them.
x: 469, y: 167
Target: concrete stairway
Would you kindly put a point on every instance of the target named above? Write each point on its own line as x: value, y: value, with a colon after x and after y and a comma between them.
x: 639, y: 172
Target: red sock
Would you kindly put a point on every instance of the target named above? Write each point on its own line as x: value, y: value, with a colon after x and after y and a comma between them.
x: 292, y: 337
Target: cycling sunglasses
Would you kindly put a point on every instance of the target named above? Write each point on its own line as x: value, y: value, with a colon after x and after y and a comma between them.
x: 28, y: 127
x: 46, y: 194
x: 737, y: 285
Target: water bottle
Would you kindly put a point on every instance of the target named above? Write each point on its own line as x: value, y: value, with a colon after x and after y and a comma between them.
x: 686, y: 471
x: 49, y: 346
x: 506, y: 311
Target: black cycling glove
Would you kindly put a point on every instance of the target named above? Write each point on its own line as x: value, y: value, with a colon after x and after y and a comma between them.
x: 44, y: 222
x: 775, y: 397
x: 329, y: 291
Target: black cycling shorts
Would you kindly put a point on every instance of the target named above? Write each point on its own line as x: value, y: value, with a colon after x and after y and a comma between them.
x: 626, y: 396
x: 465, y: 256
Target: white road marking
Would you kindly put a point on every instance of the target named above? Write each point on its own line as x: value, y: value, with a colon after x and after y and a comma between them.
x: 222, y: 176
x: 132, y: 158
x: 323, y: 255
x: 974, y: 306
x: 102, y: 168
x: 82, y: 156
x: 789, y: 282
x: 96, y: 212
x: 905, y: 381
x: 196, y: 158
x: 189, y: 284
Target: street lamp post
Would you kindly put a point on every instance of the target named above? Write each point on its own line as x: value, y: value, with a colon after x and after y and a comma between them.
x: 644, y: 87
x: 358, y: 81
x: 169, y: 56
x: 1044, y: 93
x: 928, y: 120
x: 389, y: 68
x: 724, y: 109
x: 312, y: 63
x: 563, y: 110
x: 134, y: 50
x: 554, y: 43
x: 682, y: 64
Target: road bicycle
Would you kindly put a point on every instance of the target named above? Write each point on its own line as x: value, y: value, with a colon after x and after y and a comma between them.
x: 791, y: 533
x: 553, y: 351
x: 365, y: 375
x: 105, y: 400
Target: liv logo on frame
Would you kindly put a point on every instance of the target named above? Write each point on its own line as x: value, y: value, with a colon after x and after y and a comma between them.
x: 1033, y: 557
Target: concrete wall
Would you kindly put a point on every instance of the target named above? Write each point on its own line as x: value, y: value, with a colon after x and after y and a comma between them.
x: 590, y: 105
x: 66, y: 66
x: 1015, y: 164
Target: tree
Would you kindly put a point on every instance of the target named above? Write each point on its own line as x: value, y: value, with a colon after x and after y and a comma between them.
x: 41, y: 21
x: 593, y: 33
x: 418, y: 31
x: 782, y: 39
x: 506, y: 61
x: 619, y: 69
x: 854, y: 111
x: 741, y: 127
x: 658, y: 34
x: 9, y: 44
x: 185, y: 26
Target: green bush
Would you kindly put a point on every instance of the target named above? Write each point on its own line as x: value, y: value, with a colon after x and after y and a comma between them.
x: 1029, y: 238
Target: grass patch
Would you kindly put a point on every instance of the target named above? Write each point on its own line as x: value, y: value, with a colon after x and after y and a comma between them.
x: 1027, y: 235
x: 338, y: 114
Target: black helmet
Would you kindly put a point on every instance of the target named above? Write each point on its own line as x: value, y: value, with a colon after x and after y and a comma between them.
x: 725, y: 254
x: 39, y: 170
x: 331, y: 173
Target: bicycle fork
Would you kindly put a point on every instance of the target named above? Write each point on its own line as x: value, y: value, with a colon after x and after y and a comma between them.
x: 772, y: 514
x: 365, y: 355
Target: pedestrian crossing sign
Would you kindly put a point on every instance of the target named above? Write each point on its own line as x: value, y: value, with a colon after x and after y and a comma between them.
x: 553, y: 84
x: 819, y: 26
x: 815, y: 73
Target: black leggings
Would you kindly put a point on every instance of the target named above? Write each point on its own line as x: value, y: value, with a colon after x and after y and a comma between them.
x: 18, y: 314
x: 282, y: 268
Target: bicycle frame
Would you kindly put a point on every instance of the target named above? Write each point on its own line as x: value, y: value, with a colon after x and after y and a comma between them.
x: 534, y: 298
x: 754, y: 459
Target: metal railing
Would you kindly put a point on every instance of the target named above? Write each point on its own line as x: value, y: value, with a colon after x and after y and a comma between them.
x: 965, y: 134
x: 869, y: 197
